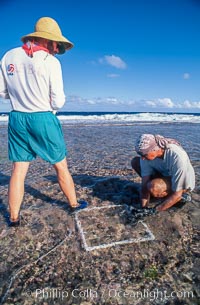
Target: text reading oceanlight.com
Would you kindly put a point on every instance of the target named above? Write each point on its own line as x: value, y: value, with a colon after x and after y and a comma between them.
x: 91, y: 294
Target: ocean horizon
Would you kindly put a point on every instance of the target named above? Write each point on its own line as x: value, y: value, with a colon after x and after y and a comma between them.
x: 110, y: 117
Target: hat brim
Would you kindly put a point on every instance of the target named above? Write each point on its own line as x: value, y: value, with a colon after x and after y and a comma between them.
x: 67, y: 44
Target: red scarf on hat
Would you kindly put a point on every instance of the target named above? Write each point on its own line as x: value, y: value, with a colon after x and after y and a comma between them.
x: 30, y: 48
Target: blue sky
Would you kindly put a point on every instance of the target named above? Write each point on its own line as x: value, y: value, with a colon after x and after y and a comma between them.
x: 128, y: 55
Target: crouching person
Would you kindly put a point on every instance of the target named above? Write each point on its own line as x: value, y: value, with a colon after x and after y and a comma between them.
x: 165, y: 169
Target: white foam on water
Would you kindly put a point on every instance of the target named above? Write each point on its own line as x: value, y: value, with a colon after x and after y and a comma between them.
x: 123, y: 118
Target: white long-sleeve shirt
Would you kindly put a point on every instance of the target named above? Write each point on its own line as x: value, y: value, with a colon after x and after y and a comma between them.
x: 31, y: 83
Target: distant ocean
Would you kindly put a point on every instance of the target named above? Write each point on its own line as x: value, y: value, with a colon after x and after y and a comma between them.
x: 119, y: 117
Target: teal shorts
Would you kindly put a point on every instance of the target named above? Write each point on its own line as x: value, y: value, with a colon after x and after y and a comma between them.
x: 35, y: 134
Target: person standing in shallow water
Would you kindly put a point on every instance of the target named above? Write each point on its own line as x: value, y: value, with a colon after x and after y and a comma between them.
x: 31, y: 77
x: 165, y: 169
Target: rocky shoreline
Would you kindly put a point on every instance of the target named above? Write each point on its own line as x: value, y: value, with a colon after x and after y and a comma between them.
x: 45, y: 261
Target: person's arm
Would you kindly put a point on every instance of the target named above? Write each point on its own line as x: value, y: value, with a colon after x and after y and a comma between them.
x: 57, y: 95
x: 3, y: 88
x: 145, y: 194
x: 170, y: 201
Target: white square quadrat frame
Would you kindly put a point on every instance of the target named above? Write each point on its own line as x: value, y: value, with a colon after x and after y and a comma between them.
x: 150, y: 235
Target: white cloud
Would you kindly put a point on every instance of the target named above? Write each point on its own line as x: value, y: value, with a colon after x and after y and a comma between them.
x: 91, y: 102
x: 159, y: 103
x: 188, y: 104
x: 112, y: 75
x: 165, y: 102
x: 112, y: 103
x: 151, y: 103
x: 186, y: 76
x: 114, y: 61
x: 113, y: 100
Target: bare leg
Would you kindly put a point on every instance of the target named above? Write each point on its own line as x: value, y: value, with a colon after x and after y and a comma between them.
x: 66, y: 182
x: 16, y: 188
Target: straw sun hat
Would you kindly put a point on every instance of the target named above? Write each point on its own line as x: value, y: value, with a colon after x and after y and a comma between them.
x: 48, y: 28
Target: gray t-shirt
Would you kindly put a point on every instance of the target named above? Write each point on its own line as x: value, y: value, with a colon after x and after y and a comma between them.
x: 175, y: 164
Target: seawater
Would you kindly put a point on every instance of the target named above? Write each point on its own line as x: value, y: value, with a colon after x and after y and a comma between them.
x: 120, y: 117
